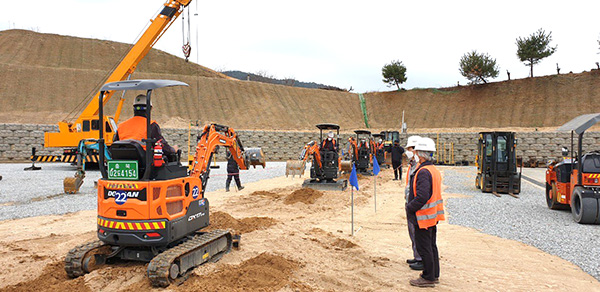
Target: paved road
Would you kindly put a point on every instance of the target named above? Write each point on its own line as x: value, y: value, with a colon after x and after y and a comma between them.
x: 536, y: 176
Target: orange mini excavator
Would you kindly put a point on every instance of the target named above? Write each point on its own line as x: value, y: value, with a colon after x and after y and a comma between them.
x: 326, y: 164
x: 152, y: 210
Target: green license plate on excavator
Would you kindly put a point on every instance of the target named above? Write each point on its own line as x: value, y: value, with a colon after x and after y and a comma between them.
x: 123, y: 170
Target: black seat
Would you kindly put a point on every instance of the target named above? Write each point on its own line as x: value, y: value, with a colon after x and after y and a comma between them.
x: 129, y: 150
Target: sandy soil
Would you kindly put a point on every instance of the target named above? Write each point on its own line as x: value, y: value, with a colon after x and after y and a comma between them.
x: 294, y: 240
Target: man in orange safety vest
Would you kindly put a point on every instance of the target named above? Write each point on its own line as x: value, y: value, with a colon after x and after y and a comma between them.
x: 425, y: 208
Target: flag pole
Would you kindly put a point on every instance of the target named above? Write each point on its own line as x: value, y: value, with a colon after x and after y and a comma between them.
x: 352, y: 195
x: 375, y: 192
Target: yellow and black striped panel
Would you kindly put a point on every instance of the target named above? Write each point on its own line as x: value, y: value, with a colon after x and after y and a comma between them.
x: 69, y: 158
x: 46, y: 158
x: 121, y: 225
x: 93, y: 158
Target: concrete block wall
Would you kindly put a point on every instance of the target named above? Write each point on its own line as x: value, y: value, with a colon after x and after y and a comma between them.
x: 16, y: 141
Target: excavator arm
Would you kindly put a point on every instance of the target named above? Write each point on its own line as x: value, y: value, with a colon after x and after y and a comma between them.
x: 311, y: 149
x: 214, y: 136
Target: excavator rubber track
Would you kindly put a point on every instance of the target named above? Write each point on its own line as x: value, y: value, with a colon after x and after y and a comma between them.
x: 81, y: 259
x: 176, y: 262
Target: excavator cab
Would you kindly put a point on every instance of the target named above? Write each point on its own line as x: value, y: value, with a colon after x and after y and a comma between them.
x: 153, y: 211
x: 326, y: 163
x: 329, y: 158
x: 379, y: 149
x: 497, y: 164
x: 362, y: 159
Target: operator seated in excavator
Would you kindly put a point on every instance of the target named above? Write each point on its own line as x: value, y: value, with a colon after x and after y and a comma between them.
x: 329, y: 143
x: 135, y: 129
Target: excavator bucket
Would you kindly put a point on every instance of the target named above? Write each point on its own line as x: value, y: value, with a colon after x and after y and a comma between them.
x: 295, y: 167
x: 255, y: 156
x: 72, y: 184
x: 346, y: 166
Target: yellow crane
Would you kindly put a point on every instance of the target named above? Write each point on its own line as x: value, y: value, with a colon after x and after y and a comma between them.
x: 87, y: 125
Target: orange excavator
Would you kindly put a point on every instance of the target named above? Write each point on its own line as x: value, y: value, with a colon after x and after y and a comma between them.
x: 152, y: 210
x: 363, y: 154
x: 326, y: 164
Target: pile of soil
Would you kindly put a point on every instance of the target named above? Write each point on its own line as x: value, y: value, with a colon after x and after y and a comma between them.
x: 343, y: 243
x: 222, y: 220
x: 265, y: 272
x: 267, y: 194
x: 303, y: 195
x: 53, y: 278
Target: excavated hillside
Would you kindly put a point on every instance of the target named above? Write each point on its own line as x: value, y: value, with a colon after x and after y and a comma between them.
x: 45, y: 77
x: 539, y: 102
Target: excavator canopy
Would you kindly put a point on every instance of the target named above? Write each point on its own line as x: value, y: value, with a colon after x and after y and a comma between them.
x: 581, y: 123
x: 145, y: 84
x: 328, y: 127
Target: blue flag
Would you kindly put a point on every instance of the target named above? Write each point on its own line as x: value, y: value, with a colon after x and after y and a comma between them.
x: 376, y: 168
x: 353, y: 178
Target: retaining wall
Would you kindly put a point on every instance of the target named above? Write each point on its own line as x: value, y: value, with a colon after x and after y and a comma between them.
x: 16, y: 141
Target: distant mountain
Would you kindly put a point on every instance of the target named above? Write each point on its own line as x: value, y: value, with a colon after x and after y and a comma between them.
x: 288, y: 82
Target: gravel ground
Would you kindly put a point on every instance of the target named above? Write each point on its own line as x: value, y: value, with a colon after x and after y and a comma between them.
x: 526, y: 219
x: 37, y: 193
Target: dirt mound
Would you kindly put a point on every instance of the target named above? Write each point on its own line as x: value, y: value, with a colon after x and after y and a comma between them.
x: 265, y: 272
x: 222, y: 220
x: 343, y: 243
x: 267, y: 194
x: 53, y: 278
x: 303, y: 195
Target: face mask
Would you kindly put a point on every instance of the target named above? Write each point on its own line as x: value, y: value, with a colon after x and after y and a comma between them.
x: 329, y: 138
x: 416, y: 159
x: 409, y: 155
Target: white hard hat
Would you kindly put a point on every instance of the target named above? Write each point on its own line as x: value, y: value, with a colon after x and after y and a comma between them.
x: 412, y: 141
x: 140, y: 100
x: 425, y: 144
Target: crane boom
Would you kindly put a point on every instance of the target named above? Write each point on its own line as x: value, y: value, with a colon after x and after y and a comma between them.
x: 87, y: 124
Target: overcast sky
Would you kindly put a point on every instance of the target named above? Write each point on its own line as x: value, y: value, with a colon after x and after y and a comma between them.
x: 339, y: 43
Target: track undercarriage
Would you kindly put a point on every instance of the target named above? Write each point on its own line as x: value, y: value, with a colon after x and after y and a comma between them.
x: 168, y: 265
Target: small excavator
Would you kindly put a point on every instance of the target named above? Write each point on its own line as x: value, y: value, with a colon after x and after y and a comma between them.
x: 363, y: 151
x: 325, y: 166
x: 152, y: 210
x: 379, y: 150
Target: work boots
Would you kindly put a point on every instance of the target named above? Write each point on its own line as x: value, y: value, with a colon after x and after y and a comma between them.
x: 420, y: 282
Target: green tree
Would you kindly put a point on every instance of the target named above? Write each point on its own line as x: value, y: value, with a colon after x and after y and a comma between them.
x: 477, y: 67
x: 533, y: 49
x: 394, y: 73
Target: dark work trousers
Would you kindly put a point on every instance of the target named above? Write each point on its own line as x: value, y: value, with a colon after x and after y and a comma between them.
x: 397, y: 166
x: 427, y: 248
x: 237, y: 180
x: 411, y: 233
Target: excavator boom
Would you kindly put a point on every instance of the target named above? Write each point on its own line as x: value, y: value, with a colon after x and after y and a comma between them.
x: 87, y: 124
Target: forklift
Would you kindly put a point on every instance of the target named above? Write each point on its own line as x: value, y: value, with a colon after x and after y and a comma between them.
x: 496, y: 163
